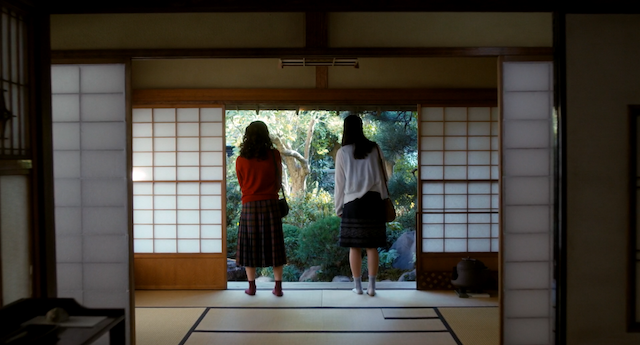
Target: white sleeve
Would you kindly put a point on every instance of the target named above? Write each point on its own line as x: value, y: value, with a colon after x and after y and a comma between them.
x: 339, y: 184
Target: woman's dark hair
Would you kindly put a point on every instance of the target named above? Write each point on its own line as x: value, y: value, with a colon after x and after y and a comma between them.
x: 353, y: 134
x: 256, y: 142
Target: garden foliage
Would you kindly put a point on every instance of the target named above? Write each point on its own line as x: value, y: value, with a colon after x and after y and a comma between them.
x: 311, y: 229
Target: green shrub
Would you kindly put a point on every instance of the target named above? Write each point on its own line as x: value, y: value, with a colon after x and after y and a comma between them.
x: 309, y: 208
x: 291, y: 243
x: 394, y: 231
x: 387, y: 257
x: 407, y: 220
x: 290, y: 273
x: 232, y: 240
x: 318, y: 245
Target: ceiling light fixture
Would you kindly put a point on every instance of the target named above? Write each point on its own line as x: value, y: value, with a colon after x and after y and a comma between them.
x: 332, y: 62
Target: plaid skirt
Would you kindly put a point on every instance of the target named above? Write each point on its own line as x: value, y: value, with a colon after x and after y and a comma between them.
x: 260, y: 237
x: 363, y: 224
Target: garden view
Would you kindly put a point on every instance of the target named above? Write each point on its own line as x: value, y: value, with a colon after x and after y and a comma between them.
x: 308, y: 142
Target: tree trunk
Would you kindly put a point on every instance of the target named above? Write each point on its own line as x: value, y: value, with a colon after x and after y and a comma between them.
x: 297, y: 164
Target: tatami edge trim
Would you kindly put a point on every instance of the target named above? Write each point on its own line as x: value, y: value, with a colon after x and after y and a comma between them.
x: 316, y: 332
x: 448, y: 327
x: 193, y: 328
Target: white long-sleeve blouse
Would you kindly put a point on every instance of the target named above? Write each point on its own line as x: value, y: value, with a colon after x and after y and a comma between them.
x: 355, y: 177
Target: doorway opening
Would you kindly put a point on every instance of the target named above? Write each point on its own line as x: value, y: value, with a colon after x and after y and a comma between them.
x: 308, y: 141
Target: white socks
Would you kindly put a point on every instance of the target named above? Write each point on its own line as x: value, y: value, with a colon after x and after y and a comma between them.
x: 371, y: 290
x: 358, y: 283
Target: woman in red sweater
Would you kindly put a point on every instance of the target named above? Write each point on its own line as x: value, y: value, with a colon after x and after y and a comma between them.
x: 260, y: 236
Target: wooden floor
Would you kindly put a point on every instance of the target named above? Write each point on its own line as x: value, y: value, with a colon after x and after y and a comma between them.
x: 328, y: 313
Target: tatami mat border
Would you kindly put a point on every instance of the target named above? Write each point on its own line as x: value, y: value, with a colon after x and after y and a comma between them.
x: 439, y: 316
x: 195, y: 325
x: 447, y: 326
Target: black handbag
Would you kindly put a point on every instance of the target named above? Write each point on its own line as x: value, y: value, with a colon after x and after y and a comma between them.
x: 282, y: 202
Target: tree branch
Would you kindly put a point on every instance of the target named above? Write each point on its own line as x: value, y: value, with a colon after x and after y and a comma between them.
x: 307, y: 142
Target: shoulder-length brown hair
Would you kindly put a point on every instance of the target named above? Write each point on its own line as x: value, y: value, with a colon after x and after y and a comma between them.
x: 256, y: 142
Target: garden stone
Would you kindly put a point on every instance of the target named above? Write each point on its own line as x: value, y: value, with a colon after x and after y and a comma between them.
x: 264, y: 279
x: 235, y: 272
x: 341, y: 279
x: 408, y: 276
x: 310, y: 274
x: 405, y: 246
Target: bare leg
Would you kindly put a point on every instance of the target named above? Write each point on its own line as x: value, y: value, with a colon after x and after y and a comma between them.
x: 355, y: 261
x: 251, y: 273
x: 277, y: 273
x: 373, y: 261
x: 372, y: 265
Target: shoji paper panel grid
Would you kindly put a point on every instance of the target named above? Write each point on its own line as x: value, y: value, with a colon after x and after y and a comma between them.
x: 459, y: 179
x: 91, y: 184
x: 527, y: 196
x: 14, y: 67
x: 178, y: 172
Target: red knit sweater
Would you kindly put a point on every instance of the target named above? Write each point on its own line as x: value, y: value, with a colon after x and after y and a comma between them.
x: 257, y: 178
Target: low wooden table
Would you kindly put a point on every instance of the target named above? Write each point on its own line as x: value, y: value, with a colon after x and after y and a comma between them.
x: 18, y: 326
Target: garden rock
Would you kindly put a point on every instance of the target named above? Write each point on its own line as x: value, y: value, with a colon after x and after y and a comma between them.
x: 235, y: 272
x: 408, y: 276
x: 341, y: 279
x: 405, y: 245
x: 310, y: 274
x: 264, y: 279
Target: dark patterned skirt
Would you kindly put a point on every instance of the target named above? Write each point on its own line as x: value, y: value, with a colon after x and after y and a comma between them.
x: 363, y: 223
x: 260, y: 237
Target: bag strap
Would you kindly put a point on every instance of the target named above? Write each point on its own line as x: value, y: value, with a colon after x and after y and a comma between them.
x: 384, y: 172
x: 278, y: 176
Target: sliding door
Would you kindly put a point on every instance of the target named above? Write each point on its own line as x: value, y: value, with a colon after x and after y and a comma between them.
x: 178, y: 198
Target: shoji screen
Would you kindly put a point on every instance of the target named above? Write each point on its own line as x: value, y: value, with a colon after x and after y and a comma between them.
x: 91, y: 184
x: 178, y: 173
x: 15, y: 156
x: 459, y: 179
x: 527, y: 202
x: 14, y: 140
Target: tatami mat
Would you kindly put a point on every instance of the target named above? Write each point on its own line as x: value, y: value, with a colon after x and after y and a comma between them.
x: 314, y: 317
x: 402, y: 298
x: 408, y: 313
x: 311, y: 320
x: 321, y: 338
x: 474, y: 326
x: 307, y: 298
x: 164, y: 326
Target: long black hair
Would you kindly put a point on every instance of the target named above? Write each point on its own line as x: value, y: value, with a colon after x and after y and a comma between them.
x: 353, y: 134
x: 256, y: 142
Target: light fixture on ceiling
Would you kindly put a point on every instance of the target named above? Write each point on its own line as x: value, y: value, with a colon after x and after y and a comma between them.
x: 331, y: 62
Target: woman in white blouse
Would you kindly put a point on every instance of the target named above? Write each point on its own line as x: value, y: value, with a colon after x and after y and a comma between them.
x: 359, y: 193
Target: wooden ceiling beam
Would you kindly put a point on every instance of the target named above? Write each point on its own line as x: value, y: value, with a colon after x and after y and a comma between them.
x: 298, y: 53
x: 317, y: 30
x: 172, y: 6
x: 344, y: 97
